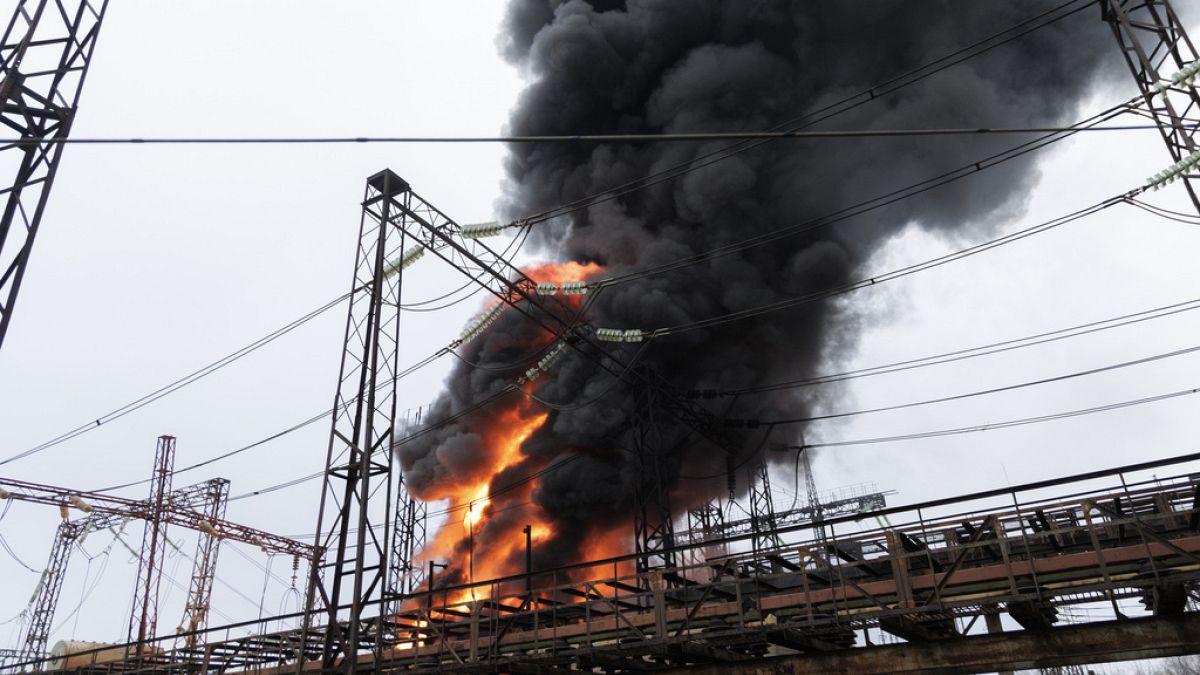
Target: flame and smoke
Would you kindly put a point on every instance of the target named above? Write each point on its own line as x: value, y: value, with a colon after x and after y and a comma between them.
x: 646, y: 66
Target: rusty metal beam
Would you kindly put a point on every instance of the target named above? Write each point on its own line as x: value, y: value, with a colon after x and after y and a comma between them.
x: 1090, y: 643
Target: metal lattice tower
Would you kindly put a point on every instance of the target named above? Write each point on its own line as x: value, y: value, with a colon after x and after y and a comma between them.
x: 204, y: 563
x: 762, y: 508
x: 143, y: 620
x: 358, y: 469
x: 705, y: 523
x: 1156, y: 47
x: 44, y: 57
x: 410, y: 534
x: 45, y: 597
x: 653, y: 525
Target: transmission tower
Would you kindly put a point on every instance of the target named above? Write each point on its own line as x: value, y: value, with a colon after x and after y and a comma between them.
x: 143, y: 620
x: 353, y: 536
x: 653, y: 525
x: 762, y: 509
x: 44, y: 57
x: 1165, y: 64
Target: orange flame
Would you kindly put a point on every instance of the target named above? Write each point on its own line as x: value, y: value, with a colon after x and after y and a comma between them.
x: 457, y: 539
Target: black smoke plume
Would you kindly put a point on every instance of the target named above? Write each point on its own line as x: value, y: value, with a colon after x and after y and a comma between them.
x: 636, y: 66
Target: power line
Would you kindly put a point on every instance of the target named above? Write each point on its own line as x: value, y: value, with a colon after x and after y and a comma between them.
x: 997, y: 390
x: 962, y: 354
x: 583, y: 138
x: 991, y: 425
x: 168, y: 389
x: 897, y: 273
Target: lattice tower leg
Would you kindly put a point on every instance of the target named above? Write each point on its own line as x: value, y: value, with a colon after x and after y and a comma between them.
x: 654, y: 535
x: 45, y: 600
x: 143, y: 621
x: 354, y: 534
x: 204, y: 567
x: 1156, y: 47
x: 44, y: 57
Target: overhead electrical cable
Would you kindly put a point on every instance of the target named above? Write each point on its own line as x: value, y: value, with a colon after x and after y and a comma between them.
x: 968, y: 353
x: 997, y: 390
x: 993, y: 425
x: 588, y: 138
x: 897, y: 273
x: 168, y: 389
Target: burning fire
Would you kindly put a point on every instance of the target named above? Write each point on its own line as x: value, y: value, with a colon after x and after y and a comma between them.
x: 487, y: 541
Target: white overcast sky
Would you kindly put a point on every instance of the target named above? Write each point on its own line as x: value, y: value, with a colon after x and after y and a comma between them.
x: 153, y: 261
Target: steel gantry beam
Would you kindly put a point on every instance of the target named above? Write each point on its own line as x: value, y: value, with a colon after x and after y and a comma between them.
x: 1163, y: 61
x: 71, y: 534
x: 44, y: 57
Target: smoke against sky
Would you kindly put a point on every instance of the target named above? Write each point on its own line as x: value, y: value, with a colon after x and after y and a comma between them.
x: 651, y: 66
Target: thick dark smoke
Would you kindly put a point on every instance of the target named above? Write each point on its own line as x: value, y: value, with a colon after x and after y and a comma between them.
x: 606, y: 66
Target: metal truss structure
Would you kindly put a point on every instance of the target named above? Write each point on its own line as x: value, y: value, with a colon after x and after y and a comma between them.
x: 410, y: 534
x: 44, y: 58
x: 353, y: 536
x: 1157, y: 48
x: 214, y: 497
x: 1022, y: 552
x: 172, y: 514
x: 653, y: 523
x: 143, y: 620
x: 762, y: 508
x: 70, y: 534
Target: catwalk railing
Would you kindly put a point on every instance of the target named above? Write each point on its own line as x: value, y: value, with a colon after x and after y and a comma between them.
x: 1026, y: 551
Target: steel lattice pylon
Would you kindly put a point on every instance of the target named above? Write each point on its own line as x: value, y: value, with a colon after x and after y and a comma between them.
x: 1156, y: 47
x: 44, y: 58
x: 653, y: 525
x: 353, y: 536
x: 143, y: 620
x: 410, y: 534
x: 762, y: 508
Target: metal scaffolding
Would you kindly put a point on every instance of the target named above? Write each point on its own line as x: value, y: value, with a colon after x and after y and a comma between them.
x: 44, y: 57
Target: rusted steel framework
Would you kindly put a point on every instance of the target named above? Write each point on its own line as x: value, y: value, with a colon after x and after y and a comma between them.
x: 44, y: 57
x: 143, y: 620
x: 70, y: 534
x: 215, y: 498
x: 1156, y: 47
x: 172, y: 513
x: 1025, y: 552
x: 762, y: 508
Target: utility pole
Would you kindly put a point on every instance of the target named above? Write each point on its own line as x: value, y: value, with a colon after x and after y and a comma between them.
x: 44, y: 57
x: 1165, y: 64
